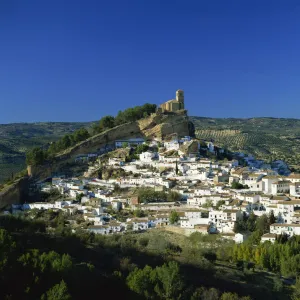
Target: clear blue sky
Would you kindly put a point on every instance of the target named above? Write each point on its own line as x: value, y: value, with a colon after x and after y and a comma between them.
x: 79, y: 60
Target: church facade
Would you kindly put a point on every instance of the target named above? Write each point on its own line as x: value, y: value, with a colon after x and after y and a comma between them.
x: 174, y: 104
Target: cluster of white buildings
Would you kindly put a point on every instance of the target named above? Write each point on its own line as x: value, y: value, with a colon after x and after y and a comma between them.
x: 209, y: 203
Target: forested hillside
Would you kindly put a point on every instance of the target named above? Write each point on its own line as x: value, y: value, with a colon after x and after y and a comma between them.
x: 56, y: 264
x: 17, y: 138
x: 267, y: 138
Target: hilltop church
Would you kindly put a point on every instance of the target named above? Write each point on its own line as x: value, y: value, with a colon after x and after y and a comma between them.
x: 173, y: 105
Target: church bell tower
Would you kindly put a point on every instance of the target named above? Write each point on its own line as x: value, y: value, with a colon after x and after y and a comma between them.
x: 180, y: 98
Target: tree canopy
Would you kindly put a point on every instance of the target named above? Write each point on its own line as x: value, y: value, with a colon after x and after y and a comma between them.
x: 128, y: 115
x: 38, y: 156
x: 174, y: 217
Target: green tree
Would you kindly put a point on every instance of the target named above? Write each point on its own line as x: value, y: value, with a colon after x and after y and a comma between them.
x: 255, y: 237
x: 169, y: 283
x: 95, y: 128
x: 106, y: 123
x: 79, y: 196
x: 52, y: 148
x: 277, y: 284
x: 237, y: 186
x: 220, y: 203
x: 139, y: 213
x: 146, y: 195
x: 141, y: 148
x: 141, y: 281
x: 272, y: 218
x: 66, y: 141
x: 296, y: 293
x: 174, y: 196
x: 229, y: 296
x: 174, y: 217
x: 35, y: 157
x: 57, y: 292
x: 251, y: 222
x: 208, y: 203
x: 81, y: 135
x: 262, y: 224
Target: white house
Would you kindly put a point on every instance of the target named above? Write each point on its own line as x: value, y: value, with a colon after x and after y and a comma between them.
x: 280, y: 187
x: 193, y: 214
x: 100, y: 229
x: 131, y: 142
x: 116, y: 205
x: 251, y: 198
x: 239, y: 238
x: 254, y: 181
x: 38, y: 205
x: 172, y: 145
x: 293, y: 177
x: 139, y: 224
x: 295, y: 189
x: 192, y: 222
x: 224, y: 220
x: 147, y: 156
x: 288, y: 229
x: 267, y: 183
x: 268, y: 237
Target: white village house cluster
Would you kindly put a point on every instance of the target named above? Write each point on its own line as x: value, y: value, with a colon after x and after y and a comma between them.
x: 210, y: 201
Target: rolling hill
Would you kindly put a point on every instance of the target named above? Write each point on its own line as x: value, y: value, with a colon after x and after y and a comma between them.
x: 266, y: 138
x: 17, y: 138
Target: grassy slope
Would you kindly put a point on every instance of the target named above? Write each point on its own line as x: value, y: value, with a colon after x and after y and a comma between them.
x: 16, y: 138
x: 223, y: 275
x: 263, y: 137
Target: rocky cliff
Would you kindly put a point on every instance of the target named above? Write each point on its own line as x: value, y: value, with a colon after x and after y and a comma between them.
x: 157, y: 125
x: 161, y: 126
x: 15, y: 193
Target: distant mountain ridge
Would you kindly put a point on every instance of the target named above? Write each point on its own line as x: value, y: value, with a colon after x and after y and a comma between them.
x: 17, y: 138
x: 266, y: 137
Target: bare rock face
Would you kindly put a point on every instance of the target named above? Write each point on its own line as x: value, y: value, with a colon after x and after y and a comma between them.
x: 158, y: 125
x: 162, y: 125
x: 155, y: 126
x: 16, y: 193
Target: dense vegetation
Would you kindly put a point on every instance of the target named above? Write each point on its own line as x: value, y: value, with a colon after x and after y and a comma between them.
x: 128, y: 115
x: 266, y: 138
x: 283, y: 257
x: 238, y: 186
x: 16, y: 139
x: 38, y: 155
x: 54, y: 263
x: 147, y: 194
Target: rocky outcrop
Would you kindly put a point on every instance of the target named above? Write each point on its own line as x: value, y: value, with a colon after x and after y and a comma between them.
x: 161, y: 126
x: 157, y: 125
x: 15, y: 193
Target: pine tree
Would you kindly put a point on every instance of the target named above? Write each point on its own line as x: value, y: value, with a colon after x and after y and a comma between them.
x: 176, y: 168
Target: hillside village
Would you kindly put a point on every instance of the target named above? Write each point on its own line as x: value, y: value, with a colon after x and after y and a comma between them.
x: 211, y: 195
x: 179, y: 183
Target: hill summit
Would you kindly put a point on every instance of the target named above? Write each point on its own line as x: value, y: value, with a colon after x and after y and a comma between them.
x: 162, y: 123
